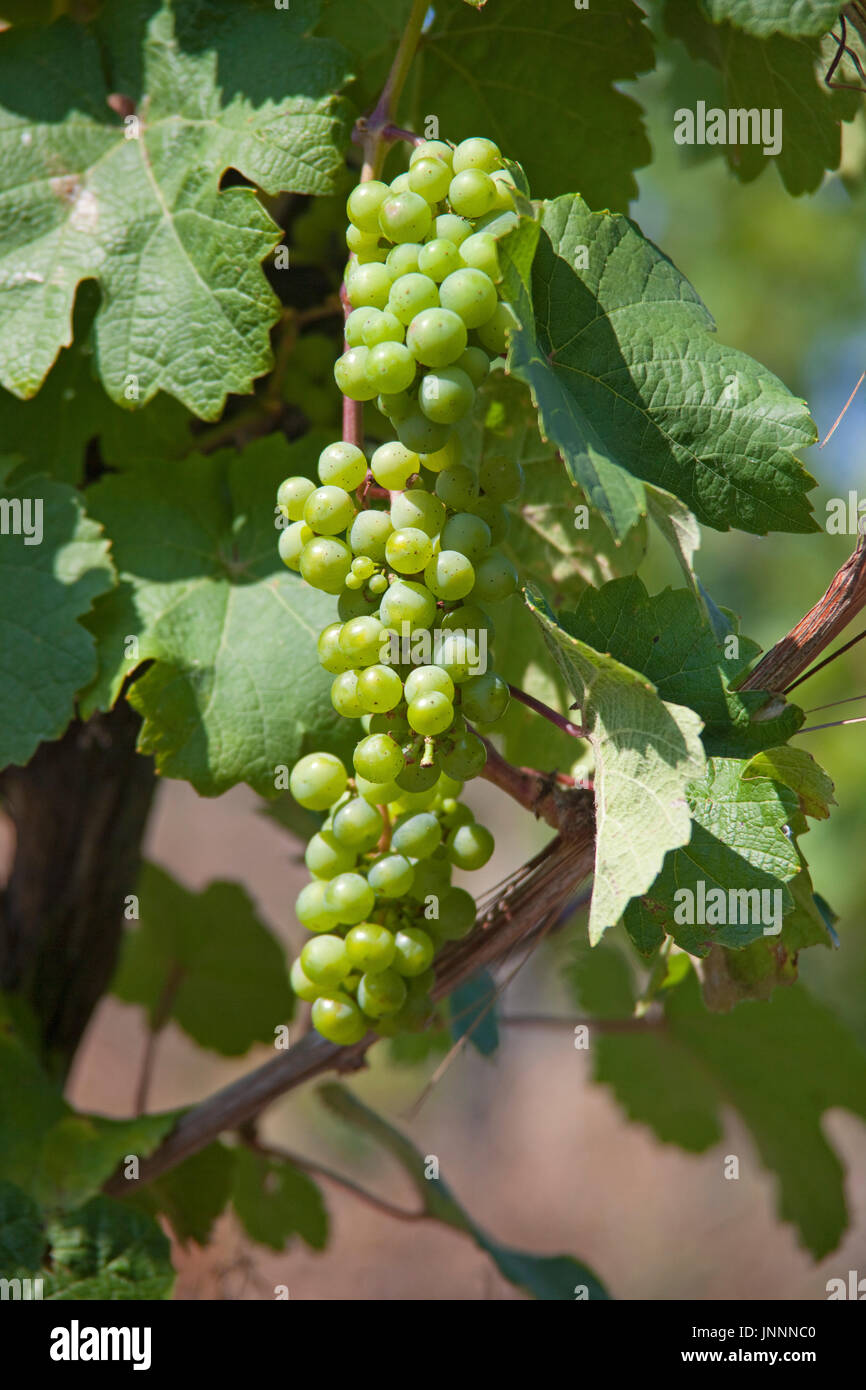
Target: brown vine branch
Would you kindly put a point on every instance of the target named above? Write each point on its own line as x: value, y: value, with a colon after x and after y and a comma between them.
x: 551, y: 715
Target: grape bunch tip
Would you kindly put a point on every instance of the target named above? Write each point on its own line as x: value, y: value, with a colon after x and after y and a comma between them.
x: 413, y: 564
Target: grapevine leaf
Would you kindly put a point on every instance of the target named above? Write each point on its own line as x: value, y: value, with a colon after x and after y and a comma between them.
x: 796, y: 769
x: 236, y: 690
x: 472, y: 1010
x: 275, y: 1201
x: 206, y: 961
x: 523, y: 659
x: 631, y: 384
x: 776, y: 72
x: 193, y: 1194
x: 144, y: 216
x: 107, y: 1250
x: 647, y: 751
x: 764, y: 17
x: 781, y: 1064
x: 600, y: 981
x: 549, y: 1277
x: 54, y: 562
x: 22, y: 1239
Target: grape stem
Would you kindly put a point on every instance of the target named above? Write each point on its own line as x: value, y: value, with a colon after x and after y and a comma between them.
x: 429, y: 751
x: 540, y: 708
x: 376, y: 132
x: 319, y: 1170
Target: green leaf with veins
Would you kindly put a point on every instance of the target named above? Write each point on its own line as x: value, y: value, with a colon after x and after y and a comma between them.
x: 22, y: 1240
x: 145, y: 216
x: 631, y: 383
x: 205, y: 961
x: 763, y: 70
x: 796, y: 769
x: 194, y: 1194
x: 548, y: 1277
x: 107, y: 1251
x: 275, y: 1200
x: 765, y: 17
x: 50, y: 575
x: 236, y: 689
x: 647, y: 752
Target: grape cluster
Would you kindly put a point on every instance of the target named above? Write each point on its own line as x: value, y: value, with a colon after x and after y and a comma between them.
x: 406, y: 541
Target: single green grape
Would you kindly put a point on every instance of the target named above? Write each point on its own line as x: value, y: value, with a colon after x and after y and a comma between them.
x: 472, y: 193
x: 361, y: 640
x: 415, y: 777
x: 357, y: 824
x: 378, y: 584
x: 389, y: 722
x: 481, y: 252
x: 462, y: 654
x: 371, y: 947
x: 392, y: 465
x: 449, y: 227
x: 343, y: 466
x: 417, y: 836
x: 325, y: 960
x: 469, y: 618
x: 457, y: 487
x: 432, y: 879
x: 363, y: 204
x: 425, y: 679
x: 466, y: 533
x: 368, y: 285
x: 381, y: 993
x: 446, y: 396
x: 378, y: 758
x: 377, y: 793
x: 446, y: 457
x: 356, y: 323
x: 391, y: 366
x: 292, y: 493
x: 396, y: 405
x: 405, y: 216
x: 345, y: 697
x: 407, y: 602
x: 494, y: 333
x: 325, y: 857
x: 381, y: 327
x: 453, y: 813
x: 436, y: 337
x: 419, y: 510
x: 495, y: 578
x: 477, y: 153
x: 471, y: 294
x: 379, y: 689
x: 400, y: 184
x: 363, y: 568
x: 506, y: 188
x: 449, y: 575
x: 318, y: 780
x: 310, y: 908
x: 475, y: 363
x: 501, y: 478
x: 408, y: 550
x: 303, y: 988
x: 350, y: 374
x: 391, y: 876
x: 292, y: 541
x: 494, y: 515
x: 438, y: 259
x: 355, y: 605
x: 432, y: 149
x: 484, y: 698
x: 364, y: 244
x: 414, y: 951
x: 350, y: 897
x: 369, y: 534
x: 337, y: 1017
x: 430, y: 713
x: 412, y: 294
x: 403, y: 258
x: 430, y: 178
x: 456, y: 914
x: 470, y: 846
x: 421, y: 434
x: 329, y: 510
x: 331, y: 656
x: 465, y: 758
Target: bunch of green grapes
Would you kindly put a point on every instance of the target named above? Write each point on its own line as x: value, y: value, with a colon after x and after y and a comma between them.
x: 415, y: 568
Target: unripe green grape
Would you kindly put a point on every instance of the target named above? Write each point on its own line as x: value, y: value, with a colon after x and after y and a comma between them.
x: 494, y: 515
x: 368, y: 285
x: 506, y: 188
x: 363, y: 568
x: 384, y: 328
x: 421, y: 434
x: 466, y: 533
x: 329, y: 510
x: 465, y: 758
x: 404, y: 216
x: 377, y: 793
x: 357, y: 824
x: 342, y: 465
x: 494, y: 333
x: 361, y: 640
x: 469, y: 618
x: 437, y: 337
x: 446, y: 396
x: 364, y: 202
x: 449, y: 575
x: 362, y: 243
x: 477, y: 153
x: 417, y: 837
x: 310, y: 908
x: 355, y: 324
x: 378, y: 584
x: 430, y: 178
x: 391, y: 366
x: 291, y: 496
x: 326, y: 857
x: 350, y: 898
x: 317, y: 781
x: 446, y: 457
x: 344, y: 695
x: 457, y: 487
x: 378, y: 758
x: 381, y: 993
x: 457, y: 914
x: 432, y: 879
x: 292, y: 541
x: 449, y: 786
x: 430, y: 713
x: 431, y: 149
x: 325, y: 562
x: 303, y: 988
x: 501, y: 478
x: 369, y: 534
x: 414, y: 777
x: 354, y: 581
x: 389, y: 722
x: 355, y: 605
x: 412, y: 294
x: 412, y: 802
x: 461, y: 656
x: 472, y: 193
x: 331, y: 656
x: 337, y: 1017
x: 449, y: 227
x: 470, y: 846
x: 391, y: 876
x: 403, y: 259
x: 496, y: 222
x: 453, y: 813
x: 325, y: 960
x: 438, y: 258
x: 379, y: 689
x: 471, y: 294
x: 350, y: 374
x: 371, y: 947
x: 475, y: 363
x: 484, y: 698
x: 419, y: 510
x: 414, y: 951
x: 495, y: 578
x: 395, y: 404
x: 392, y: 465
x: 407, y: 602
x: 480, y: 252
x: 425, y: 679
x: 408, y: 550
